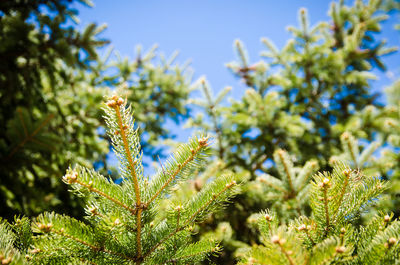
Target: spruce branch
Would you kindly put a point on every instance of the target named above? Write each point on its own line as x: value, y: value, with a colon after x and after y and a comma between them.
x: 306, y: 228
x: 280, y: 242
x: 212, y: 194
x: 29, y: 136
x: 351, y: 146
x: 198, y: 249
x: 178, y: 167
x: 93, y: 182
x: 204, y: 200
x: 194, y: 152
x: 271, y: 181
x: 284, y: 163
x: 125, y: 225
x: 325, y: 186
x: 344, y: 187
x: 115, y: 103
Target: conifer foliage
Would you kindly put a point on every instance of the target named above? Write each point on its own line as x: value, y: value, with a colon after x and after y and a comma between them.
x: 124, y: 224
x: 331, y: 234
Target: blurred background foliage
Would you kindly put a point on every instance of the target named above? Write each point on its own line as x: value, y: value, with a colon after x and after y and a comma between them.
x: 305, y: 107
x: 52, y: 82
x: 308, y: 106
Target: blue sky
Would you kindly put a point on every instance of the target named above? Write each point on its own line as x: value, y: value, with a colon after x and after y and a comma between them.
x: 204, y: 31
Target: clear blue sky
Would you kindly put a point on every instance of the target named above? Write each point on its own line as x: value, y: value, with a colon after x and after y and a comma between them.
x: 204, y: 30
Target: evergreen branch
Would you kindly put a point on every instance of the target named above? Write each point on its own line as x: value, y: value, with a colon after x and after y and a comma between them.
x: 186, y: 158
x: 22, y: 122
x: 200, y: 248
x: 345, y: 185
x: 191, y: 218
x: 324, y: 186
x: 309, y: 237
x: 326, y: 251
x: 267, y: 220
x: 213, y: 199
x: 92, y: 189
x: 115, y: 103
x: 62, y: 233
x: 379, y: 242
x: 127, y: 149
x: 73, y: 177
x: 41, y: 143
x: 306, y: 228
x: 173, y: 175
x: 92, y: 247
x: 163, y: 240
x: 308, y: 169
x: 350, y: 145
x: 7, y: 241
x: 284, y: 162
x: 29, y: 137
x: 72, y: 229
x: 269, y: 180
x: 286, y: 254
x: 280, y: 242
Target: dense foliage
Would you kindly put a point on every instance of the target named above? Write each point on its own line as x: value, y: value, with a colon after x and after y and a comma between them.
x: 124, y: 223
x: 331, y: 235
x: 308, y: 107
x: 52, y: 81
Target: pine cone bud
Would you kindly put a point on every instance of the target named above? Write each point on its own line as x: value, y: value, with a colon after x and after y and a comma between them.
x: 340, y: 249
x: 111, y: 103
x: 302, y: 227
x: 392, y: 241
x: 35, y: 250
x: 386, y: 218
x: 275, y: 239
x: 324, y: 183
x: 268, y: 217
x: 93, y: 211
x: 71, y: 178
x: 198, y: 185
x: 6, y: 261
x: 203, y: 141
x: 120, y: 101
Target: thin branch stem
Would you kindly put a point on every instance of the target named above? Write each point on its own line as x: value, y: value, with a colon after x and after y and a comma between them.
x: 89, y: 187
x: 191, y: 218
x: 173, y: 261
x: 343, y: 191
x: 172, y: 177
x: 309, y: 237
x: 280, y: 153
x: 325, y: 191
x: 283, y: 250
x: 134, y: 178
x: 228, y: 186
x: 262, y: 180
x: 28, y: 137
x: 92, y: 247
x: 353, y: 156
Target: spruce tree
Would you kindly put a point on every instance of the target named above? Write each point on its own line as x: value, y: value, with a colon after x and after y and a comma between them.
x: 331, y: 234
x: 124, y: 224
x: 303, y: 98
x: 52, y: 79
